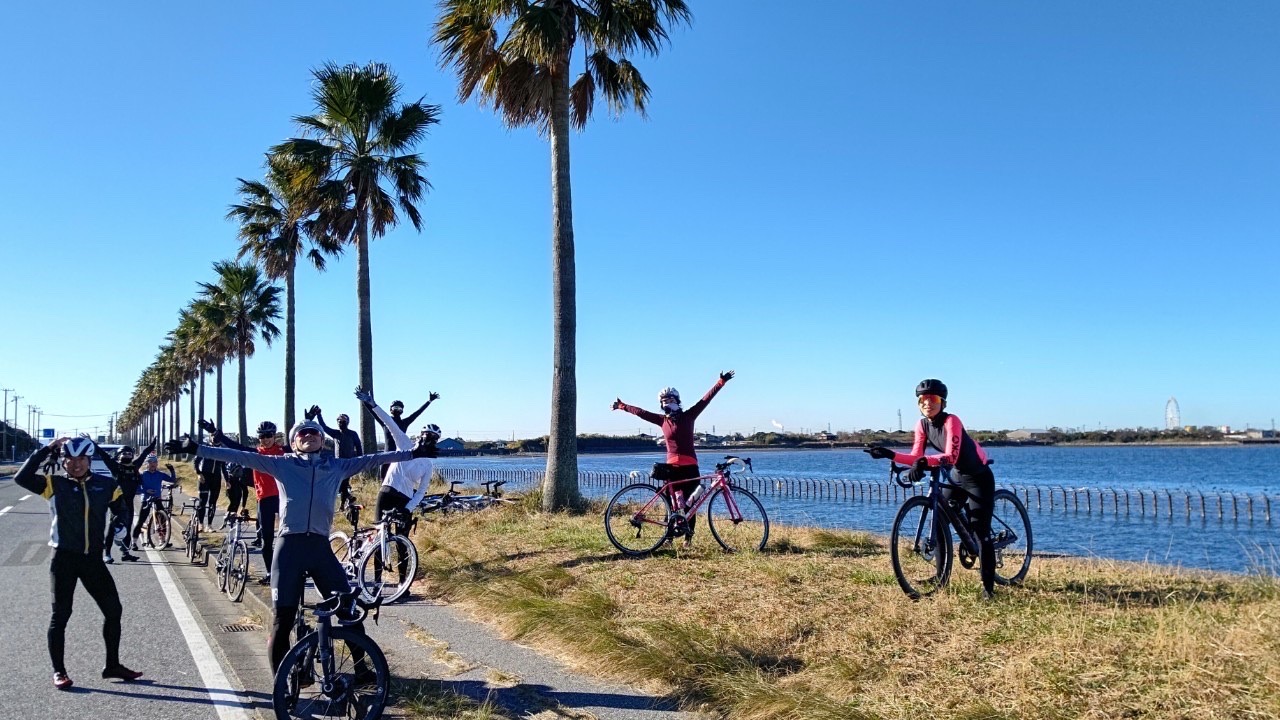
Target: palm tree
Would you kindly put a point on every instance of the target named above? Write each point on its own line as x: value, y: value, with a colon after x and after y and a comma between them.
x: 218, y: 345
x: 357, y: 142
x: 248, y: 303
x: 517, y: 55
x: 275, y: 227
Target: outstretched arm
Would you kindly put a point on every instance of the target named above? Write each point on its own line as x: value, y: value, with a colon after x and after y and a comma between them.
x: 414, y: 415
x: 107, y: 460
x: 701, y: 405
x: 401, y: 439
x: 641, y: 413
x: 141, y: 460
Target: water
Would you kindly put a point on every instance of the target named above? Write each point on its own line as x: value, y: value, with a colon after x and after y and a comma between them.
x: 1235, y: 546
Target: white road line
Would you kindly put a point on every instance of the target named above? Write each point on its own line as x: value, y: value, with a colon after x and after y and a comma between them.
x: 221, y: 694
x: 6, y: 509
x: 24, y: 497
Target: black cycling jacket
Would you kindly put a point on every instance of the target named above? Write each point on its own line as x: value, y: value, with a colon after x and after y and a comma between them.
x: 78, y: 507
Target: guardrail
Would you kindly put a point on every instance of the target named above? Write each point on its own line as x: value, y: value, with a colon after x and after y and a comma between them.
x: 1155, y: 503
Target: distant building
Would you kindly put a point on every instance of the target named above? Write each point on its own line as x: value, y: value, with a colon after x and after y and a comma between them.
x: 1027, y: 434
x: 825, y: 436
x: 450, y: 445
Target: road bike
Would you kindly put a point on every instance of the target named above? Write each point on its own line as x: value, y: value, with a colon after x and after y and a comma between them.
x: 454, y: 501
x: 920, y: 545
x: 641, y: 516
x: 167, y: 497
x: 232, y: 562
x: 158, y: 525
x: 191, y: 536
x: 365, y: 552
x: 333, y: 671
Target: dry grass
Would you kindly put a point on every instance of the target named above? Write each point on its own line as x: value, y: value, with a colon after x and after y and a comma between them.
x: 818, y: 628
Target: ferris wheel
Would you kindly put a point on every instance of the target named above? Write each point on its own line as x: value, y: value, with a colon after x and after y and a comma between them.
x: 1172, y: 418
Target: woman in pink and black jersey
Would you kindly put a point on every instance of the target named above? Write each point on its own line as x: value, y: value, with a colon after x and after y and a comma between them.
x: 970, y: 469
x: 677, y: 428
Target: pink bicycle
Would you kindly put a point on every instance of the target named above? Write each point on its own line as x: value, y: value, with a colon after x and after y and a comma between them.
x: 641, y: 517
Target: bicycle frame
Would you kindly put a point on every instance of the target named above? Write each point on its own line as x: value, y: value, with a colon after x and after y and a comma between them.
x: 719, y: 479
x: 942, y: 510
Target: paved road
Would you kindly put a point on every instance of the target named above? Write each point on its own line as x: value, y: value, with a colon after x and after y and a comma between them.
x: 166, y: 640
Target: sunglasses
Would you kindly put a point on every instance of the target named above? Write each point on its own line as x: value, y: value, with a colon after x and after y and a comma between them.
x: 929, y: 398
x: 308, y: 432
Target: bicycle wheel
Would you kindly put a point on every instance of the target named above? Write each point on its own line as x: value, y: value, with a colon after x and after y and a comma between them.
x: 358, y: 688
x: 222, y: 564
x: 341, y: 546
x: 193, y: 541
x: 638, y: 519
x: 237, y: 570
x: 921, y: 556
x: 158, y: 526
x: 1011, y: 535
x: 737, y: 520
x: 396, y: 575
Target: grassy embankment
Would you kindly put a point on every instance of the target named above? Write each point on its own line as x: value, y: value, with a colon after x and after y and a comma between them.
x: 816, y: 627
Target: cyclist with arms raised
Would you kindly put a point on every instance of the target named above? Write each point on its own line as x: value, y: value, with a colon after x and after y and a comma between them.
x: 78, y: 502
x: 397, y: 412
x: 945, y: 433
x: 677, y: 428
x: 151, y: 482
x: 308, y: 479
x: 265, y: 487
x: 124, y: 467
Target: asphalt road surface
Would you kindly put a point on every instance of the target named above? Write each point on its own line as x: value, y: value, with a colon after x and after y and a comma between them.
x: 184, y: 675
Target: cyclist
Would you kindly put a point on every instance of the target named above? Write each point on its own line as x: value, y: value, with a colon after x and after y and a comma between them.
x: 407, y: 481
x: 677, y: 428
x: 239, y: 480
x: 78, y: 502
x: 397, y: 409
x: 151, y: 481
x: 210, y: 473
x: 346, y: 442
x: 267, y: 491
x: 124, y: 467
x: 945, y: 433
x: 308, y: 478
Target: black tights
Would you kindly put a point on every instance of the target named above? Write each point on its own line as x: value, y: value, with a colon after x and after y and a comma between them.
x: 299, y: 556
x: 208, y: 500
x: 66, y: 569
x: 980, y: 489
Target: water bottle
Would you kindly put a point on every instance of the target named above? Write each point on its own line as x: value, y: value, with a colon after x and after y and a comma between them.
x: 693, y: 497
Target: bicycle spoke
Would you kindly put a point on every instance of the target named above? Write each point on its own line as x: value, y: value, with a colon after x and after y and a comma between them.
x: 738, y: 520
x: 637, y: 518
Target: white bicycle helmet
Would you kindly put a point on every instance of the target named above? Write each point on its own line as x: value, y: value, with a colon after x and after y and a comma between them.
x: 432, y: 429
x: 668, y: 392
x: 78, y: 447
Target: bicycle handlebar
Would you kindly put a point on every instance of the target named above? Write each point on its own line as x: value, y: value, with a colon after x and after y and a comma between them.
x: 731, y: 460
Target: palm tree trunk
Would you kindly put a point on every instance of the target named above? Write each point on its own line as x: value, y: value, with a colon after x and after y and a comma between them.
x: 203, y: 370
x: 364, y: 327
x: 219, y: 401
x: 240, y: 392
x: 560, y: 485
x: 290, y: 346
x: 191, y: 428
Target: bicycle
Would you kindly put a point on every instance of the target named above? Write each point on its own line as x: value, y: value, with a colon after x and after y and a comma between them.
x: 454, y: 501
x: 191, y: 536
x: 920, y: 545
x: 232, y: 563
x: 640, y: 517
x: 158, y: 523
x: 167, y: 499
x: 365, y: 551
x: 318, y: 679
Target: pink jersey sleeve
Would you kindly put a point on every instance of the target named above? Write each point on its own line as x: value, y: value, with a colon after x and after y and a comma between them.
x: 917, y: 449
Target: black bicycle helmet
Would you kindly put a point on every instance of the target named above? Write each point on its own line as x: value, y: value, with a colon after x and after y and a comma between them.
x: 125, y: 451
x: 932, y: 387
x: 266, y: 427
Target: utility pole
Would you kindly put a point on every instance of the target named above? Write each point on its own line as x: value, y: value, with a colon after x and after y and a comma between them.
x: 4, y: 422
x: 13, y: 454
x: 899, y: 419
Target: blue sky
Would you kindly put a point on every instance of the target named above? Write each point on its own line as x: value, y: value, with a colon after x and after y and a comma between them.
x: 1067, y: 211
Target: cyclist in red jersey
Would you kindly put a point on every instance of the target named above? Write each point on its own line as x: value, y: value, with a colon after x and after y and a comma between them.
x: 970, y: 469
x: 677, y: 428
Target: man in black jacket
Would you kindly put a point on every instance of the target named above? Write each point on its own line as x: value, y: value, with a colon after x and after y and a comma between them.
x: 125, y: 469
x: 78, y: 502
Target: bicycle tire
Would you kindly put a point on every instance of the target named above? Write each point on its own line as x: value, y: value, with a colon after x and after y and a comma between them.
x: 158, y: 527
x: 921, y: 556
x: 340, y: 544
x: 290, y: 701
x: 237, y: 570
x: 1011, y: 534
x: 750, y: 532
x: 193, y: 541
x: 222, y: 564
x: 369, y: 570
x: 632, y: 529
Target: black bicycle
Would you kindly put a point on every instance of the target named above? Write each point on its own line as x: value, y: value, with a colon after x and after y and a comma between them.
x: 333, y: 671
x: 920, y: 545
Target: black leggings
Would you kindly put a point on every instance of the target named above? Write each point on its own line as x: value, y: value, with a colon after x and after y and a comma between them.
x: 124, y: 519
x: 236, y: 496
x: 67, y: 568
x: 687, y: 473
x: 268, y: 509
x: 980, y: 488
x: 143, y: 513
x: 208, y: 492
x: 391, y: 499
x: 298, y: 556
